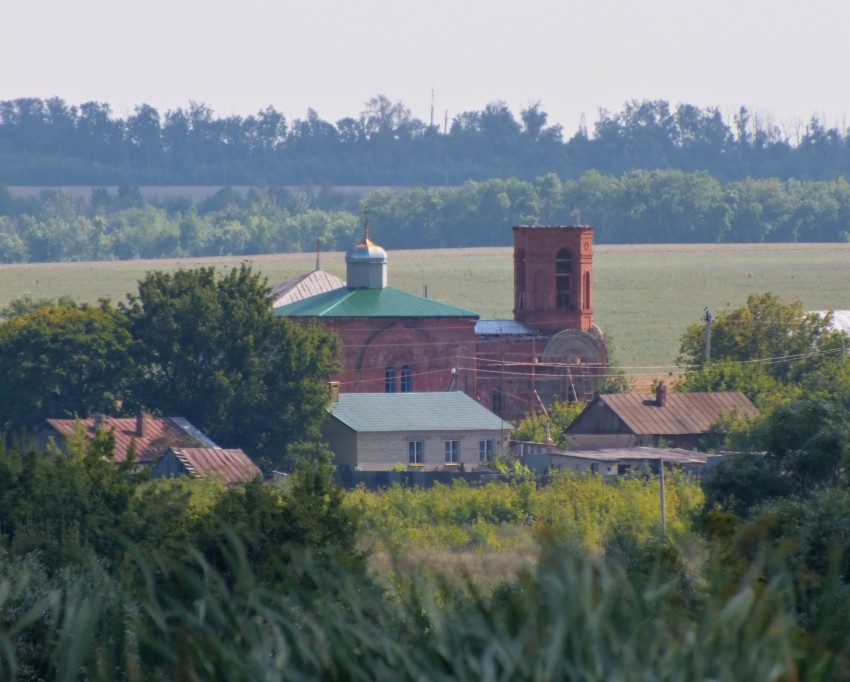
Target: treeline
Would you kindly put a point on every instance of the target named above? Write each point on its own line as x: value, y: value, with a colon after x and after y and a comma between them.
x: 47, y: 142
x: 639, y: 207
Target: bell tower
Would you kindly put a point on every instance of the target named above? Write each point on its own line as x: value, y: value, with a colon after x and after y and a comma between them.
x: 553, y: 277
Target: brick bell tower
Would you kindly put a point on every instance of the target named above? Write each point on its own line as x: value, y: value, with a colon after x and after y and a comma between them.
x: 553, y: 277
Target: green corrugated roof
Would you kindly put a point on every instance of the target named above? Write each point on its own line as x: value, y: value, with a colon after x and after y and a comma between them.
x: 438, y: 411
x: 386, y: 302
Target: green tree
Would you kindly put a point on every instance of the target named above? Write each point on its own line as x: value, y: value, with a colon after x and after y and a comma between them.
x: 212, y: 350
x: 561, y: 414
x: 62, y: 361
x: 771, y: 339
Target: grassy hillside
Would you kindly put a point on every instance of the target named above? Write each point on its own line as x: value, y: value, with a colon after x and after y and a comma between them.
x: 644, y: 295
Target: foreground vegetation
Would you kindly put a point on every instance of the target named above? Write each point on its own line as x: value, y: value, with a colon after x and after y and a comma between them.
x: 106, y: 575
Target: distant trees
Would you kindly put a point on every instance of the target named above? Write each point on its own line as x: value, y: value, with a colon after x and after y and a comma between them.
x: 638, y: 207
x: 49, y: 142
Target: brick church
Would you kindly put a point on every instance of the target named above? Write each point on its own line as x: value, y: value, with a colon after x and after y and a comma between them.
x: 393, y: 341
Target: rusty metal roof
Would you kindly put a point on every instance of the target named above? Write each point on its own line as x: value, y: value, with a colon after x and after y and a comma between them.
x: 160, y: 433
x: 229, y: 466
x: 304, y: 286
x: 682, y: 413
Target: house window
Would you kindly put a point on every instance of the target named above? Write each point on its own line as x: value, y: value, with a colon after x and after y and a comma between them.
x: 563, y: 279
x: 416, y: 452
x: 485, y: 450
x: 389, y: 380
x: 406, y: 379
x: 498, y: 402
x: 452, y: 452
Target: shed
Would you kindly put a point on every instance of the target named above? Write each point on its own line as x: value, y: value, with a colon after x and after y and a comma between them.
x: 229, y: 466
x: 635, y: 419
x: 435, y: 430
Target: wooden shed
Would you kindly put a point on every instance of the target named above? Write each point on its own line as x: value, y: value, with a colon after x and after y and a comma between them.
x: 676, y: 420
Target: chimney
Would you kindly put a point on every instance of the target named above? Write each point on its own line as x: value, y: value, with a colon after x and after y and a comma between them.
x: 141, y: 418
x: 333, y: 388
x: 99, y: 421
x: 661, y: 394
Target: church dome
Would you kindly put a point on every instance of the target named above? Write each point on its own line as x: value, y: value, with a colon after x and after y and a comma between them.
x: 366, y: 265
x: 366, y: 251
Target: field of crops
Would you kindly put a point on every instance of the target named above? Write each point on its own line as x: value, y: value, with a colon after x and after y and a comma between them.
x: 644, y: 295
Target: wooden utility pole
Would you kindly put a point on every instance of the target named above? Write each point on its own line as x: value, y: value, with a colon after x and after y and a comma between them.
x: 707, y: 317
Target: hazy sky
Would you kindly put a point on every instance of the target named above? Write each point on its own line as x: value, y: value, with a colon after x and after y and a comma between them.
x: 788, y: 60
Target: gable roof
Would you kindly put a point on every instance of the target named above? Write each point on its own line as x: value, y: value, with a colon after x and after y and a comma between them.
x: 436, y: 411
x: 304, y: 286
x: 385, y: 302
x: 160, y: 433
x: 229, y: 466
x: 682, y: 413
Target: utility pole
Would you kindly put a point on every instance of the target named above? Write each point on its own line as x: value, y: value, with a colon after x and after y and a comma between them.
x: 663, y: 505
x: 707, y: 317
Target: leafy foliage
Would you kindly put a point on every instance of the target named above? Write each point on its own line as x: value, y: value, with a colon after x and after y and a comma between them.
x: 62, y: 361
x: 561, y: 414
x: 210, y: 349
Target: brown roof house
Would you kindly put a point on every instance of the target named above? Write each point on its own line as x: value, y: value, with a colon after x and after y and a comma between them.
x: 678, y: 420
x: 228, y: 466
x: 147, y: 435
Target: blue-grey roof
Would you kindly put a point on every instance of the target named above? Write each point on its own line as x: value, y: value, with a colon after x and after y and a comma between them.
x: 437, y: 411
x: 499, y: 327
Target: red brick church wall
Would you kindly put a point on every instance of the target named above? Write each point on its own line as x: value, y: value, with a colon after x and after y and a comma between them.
x: 430, y: 347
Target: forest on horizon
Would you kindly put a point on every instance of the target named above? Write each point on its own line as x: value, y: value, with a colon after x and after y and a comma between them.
x: 48, y: 142
x: 651, y: 173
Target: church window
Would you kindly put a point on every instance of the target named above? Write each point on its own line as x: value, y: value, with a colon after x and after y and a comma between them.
x: 587, y: 290
x: 389, y: 380
x: 406, y: 379
x: 520, y: 280
x: 563, y: 278
x: 498, y: 402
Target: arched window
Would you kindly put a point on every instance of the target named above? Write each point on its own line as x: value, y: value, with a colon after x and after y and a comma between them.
x: 563, y: 279
x: 587, y: 289
x: 519, y: 284
x: 406, y: 379
x: 389, y: 380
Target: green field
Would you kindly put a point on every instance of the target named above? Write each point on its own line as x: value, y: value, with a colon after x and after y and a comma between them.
x: 644, y: 295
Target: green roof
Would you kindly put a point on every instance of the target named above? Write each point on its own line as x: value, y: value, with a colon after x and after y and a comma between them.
x: 437, y: 411
x: 386, y: 302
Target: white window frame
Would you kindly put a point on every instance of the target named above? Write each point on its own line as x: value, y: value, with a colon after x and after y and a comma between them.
x: 452, y: 450
x: 416, y: 452
x: 486, y: 448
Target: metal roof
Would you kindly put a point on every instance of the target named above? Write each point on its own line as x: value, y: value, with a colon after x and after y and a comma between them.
x: 437, y: 411
x: 503, y: 327
x: 682, y: 413
x: 160, y: 433
x: 229, y: 466
x: 304, y: 286
x: 840, y: 319
x: 669, y: 455
x: 385, y: 302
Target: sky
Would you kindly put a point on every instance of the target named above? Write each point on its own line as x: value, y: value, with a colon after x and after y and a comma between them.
x: 786, y: 61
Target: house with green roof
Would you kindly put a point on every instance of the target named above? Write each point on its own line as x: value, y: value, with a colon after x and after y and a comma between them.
x: 428, y: 431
